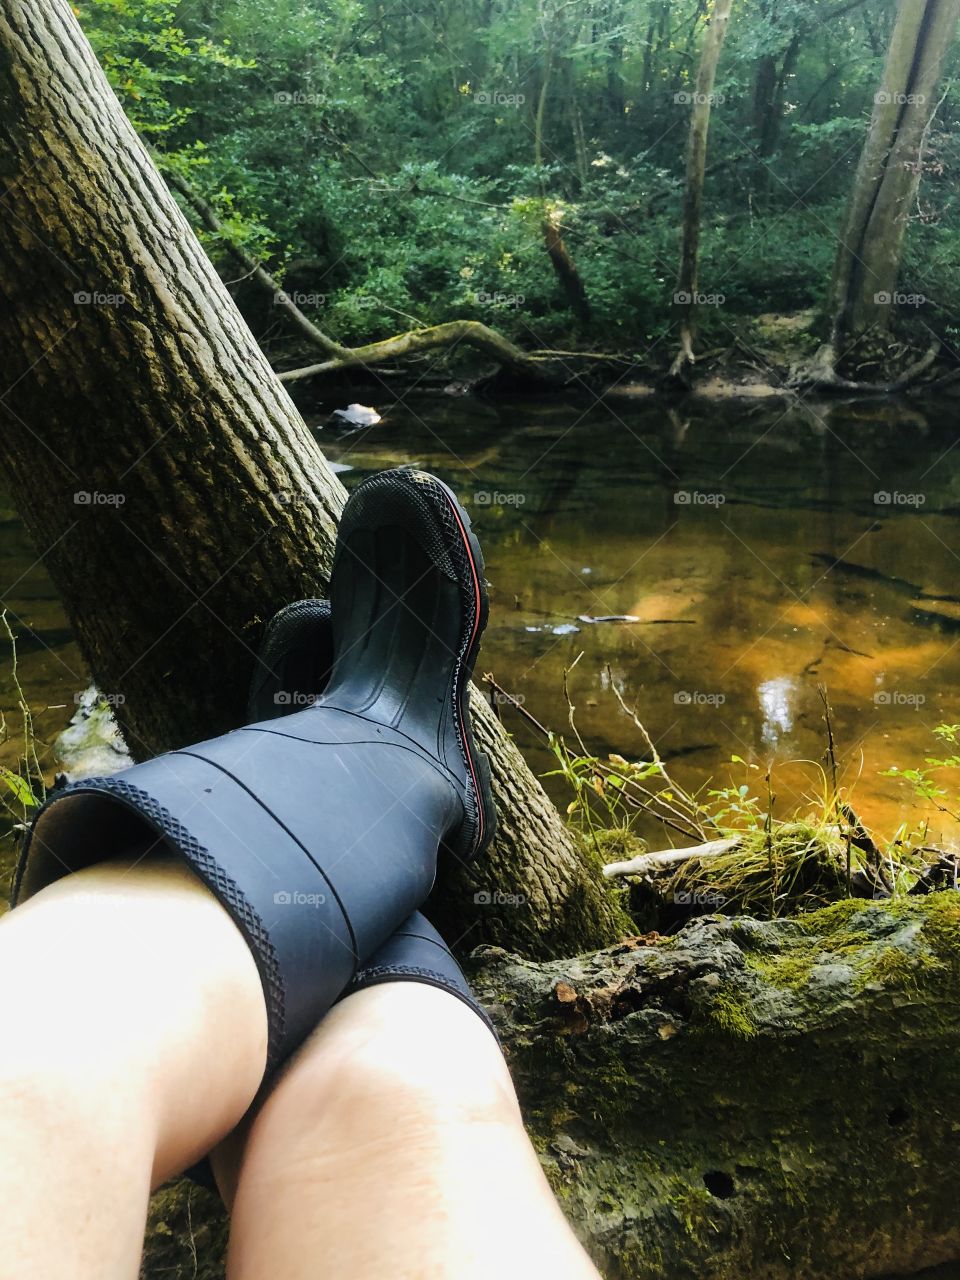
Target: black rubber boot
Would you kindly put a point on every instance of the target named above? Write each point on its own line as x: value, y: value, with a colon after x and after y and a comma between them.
x: 417, y: 953
x: 319, y: 833
x: 296, y: 657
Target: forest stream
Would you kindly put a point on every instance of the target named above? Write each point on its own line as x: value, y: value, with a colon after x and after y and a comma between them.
x: 743, y: 557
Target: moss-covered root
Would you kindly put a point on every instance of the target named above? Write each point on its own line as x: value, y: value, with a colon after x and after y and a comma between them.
x: 751, y: 1098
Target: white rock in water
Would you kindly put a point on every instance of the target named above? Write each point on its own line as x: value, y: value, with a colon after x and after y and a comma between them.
x: 358, y: 415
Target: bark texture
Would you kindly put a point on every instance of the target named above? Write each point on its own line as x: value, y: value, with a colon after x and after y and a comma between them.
x: 888, y: 175
x: 170, y: 486
x: 748, y: 1099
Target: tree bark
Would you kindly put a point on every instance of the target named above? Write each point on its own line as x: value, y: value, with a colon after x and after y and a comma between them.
x: 687, y: 279
x: 770, y: 1099
x: 888, y: 175
x: 565, y: 268
x: 133, y: 380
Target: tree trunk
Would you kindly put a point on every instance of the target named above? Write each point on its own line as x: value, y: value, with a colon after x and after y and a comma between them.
x: 169, y: 485
x: 748, y: 1099
x: 764, y: 90
x: 565, y: 268
x: 868, y: 261
x: 685, y: 298
x: 769, y: 93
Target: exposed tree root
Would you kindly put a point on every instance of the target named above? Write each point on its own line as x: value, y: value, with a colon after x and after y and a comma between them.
x: 820, y: 374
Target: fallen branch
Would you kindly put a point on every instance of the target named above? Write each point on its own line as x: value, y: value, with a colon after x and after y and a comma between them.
x: 471, y: 333
x: 653, y: 861
x: 538, y: 368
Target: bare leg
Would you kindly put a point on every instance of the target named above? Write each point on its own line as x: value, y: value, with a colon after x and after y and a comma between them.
x: 132, y: 1037
x: 393, y: 1146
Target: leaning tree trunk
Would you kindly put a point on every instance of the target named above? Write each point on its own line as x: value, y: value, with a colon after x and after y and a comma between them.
x: 685, y: 298
x: 171, y: 489
x: 868, y: 259
x: 755, y: 1099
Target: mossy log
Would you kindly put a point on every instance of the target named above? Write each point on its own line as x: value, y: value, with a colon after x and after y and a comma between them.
x: 758, y: 1099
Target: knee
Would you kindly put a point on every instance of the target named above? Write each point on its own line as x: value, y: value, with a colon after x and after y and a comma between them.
x: 407, y: 1051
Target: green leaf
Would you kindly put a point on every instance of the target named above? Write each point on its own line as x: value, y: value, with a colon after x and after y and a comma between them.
x: 20, y: 787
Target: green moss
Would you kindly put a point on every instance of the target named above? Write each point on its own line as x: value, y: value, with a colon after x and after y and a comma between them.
x: 848, y: 932
x: 894, y: 967
x: 559, y: 1182
x: 941, y: 926
x: 594, y: 914
x: 832, y: 919
x: 616, y: 844
x: 612, y: 1087
x: 822, y: 937
x: 789, y: 971
x: 937, y: 913
x: 732, y: 1014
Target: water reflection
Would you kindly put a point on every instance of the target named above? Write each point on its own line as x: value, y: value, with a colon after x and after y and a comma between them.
x: 776, y: 697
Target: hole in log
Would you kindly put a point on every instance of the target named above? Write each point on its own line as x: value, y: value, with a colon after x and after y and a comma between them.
x: 628, y: 1001
x: 719, y: 1184
x: 899, y: 1115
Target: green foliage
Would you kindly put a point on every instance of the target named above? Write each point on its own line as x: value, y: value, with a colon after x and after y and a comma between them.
x: 742, y: 859
x: 386, y: 159
x: 926, y: 780
x: 21, y: 790
x: 150, y: 60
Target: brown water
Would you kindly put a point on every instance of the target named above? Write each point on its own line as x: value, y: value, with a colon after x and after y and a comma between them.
x: 747, y: 544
